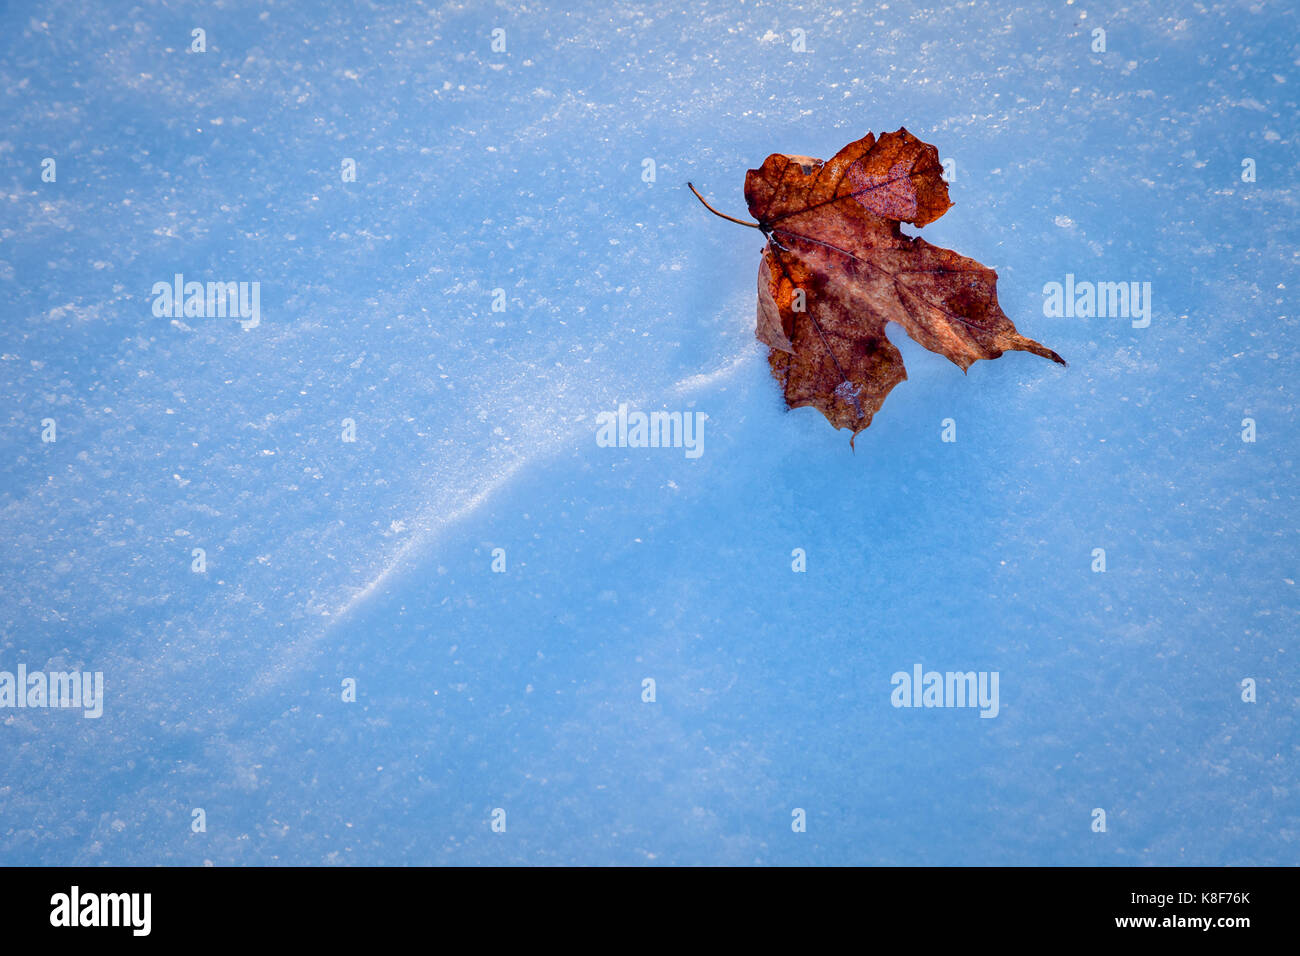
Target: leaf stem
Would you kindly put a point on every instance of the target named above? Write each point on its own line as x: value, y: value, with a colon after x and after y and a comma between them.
x: 722, y: 215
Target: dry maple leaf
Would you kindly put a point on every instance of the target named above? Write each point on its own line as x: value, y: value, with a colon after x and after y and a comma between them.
x: 837, y: 268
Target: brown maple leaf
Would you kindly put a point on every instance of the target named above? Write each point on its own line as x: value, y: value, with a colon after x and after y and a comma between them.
x: 837, y: 268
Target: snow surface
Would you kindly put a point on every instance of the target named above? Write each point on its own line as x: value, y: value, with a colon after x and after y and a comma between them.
x: 522, y: 691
